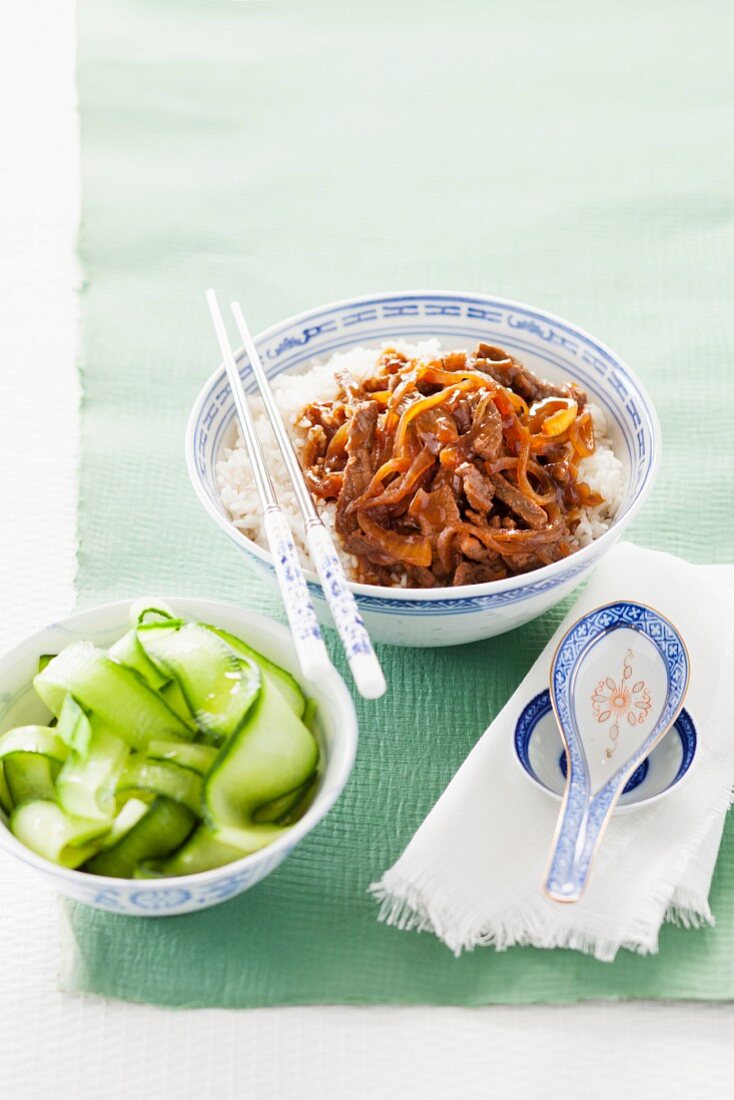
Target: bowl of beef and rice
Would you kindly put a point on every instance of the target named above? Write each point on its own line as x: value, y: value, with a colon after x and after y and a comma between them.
x: 473, y: 457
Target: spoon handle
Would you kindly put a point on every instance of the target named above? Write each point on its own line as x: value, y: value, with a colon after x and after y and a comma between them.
x: 580, y: 830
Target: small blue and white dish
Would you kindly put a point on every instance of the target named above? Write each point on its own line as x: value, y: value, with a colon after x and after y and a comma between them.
x: 539, y: 750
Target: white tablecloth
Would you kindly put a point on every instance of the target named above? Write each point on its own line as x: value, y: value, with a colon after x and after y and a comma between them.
x: 53, y: 1046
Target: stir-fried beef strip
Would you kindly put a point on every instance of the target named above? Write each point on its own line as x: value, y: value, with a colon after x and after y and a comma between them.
x: 510, y: 372
x: 457, y: 471
x: 359, y: 446
x: 521, y: 505
x: 487, y: 428
x: 470, y: 572
x: 478, y: 489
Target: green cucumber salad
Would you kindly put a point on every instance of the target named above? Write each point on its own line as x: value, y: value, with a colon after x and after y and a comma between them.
x: 179, y: 749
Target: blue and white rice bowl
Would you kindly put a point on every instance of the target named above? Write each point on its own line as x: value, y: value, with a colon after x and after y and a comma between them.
x: 548, y: 346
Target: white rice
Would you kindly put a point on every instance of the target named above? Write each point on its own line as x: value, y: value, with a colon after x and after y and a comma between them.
x: 603, y: 471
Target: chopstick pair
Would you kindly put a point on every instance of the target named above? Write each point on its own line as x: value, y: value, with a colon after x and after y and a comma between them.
x: 307, y: 638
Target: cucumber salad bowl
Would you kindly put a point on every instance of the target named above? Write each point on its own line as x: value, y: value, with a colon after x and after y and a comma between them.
x: 159, y: 756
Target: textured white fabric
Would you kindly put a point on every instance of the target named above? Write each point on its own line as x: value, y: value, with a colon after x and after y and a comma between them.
x: 654, y: 861
x: 54, y: 1047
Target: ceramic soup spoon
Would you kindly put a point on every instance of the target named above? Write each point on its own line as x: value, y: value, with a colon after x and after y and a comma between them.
x: 618, y: 681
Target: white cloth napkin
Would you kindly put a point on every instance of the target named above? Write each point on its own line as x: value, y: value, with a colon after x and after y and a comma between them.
x: 473, y: 872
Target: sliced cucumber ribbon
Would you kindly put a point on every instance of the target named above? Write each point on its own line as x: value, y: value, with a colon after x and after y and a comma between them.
x: 86, y: 783
x: 201, y: 852
x: 73, y: 726
x: 29, y: 777
x: 128, y: 651
x: 218, y: 685
x: 198, y: 758
x: 271, y: 755
x: 41, y: 740
x: 116, y: 696
x: 50, y: 832
x: 158, y: 832
x: 287, y: 684
x: 161, y: 777
x: 30, y: 759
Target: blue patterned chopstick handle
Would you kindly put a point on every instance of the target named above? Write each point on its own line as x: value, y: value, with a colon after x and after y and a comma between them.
x: 368, y: 675
x: 309, y: 644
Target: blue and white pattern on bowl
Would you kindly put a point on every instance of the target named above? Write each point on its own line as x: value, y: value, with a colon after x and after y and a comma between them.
x: 539, y: 749
x: 548, y: 345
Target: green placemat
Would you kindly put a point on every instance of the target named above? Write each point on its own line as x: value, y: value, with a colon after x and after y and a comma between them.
x: 296, y: 153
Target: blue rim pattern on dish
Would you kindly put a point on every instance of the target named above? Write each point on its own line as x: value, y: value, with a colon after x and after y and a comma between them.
x: 418, y: 316
x: 162, y: 898
x: 687, y: 732
x: 541, y: 705
x: 459, y: 606
x: 569, y: 868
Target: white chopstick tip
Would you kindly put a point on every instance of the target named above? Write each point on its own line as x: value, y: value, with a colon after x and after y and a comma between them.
x: 315, y: 664
x: 368, y: 676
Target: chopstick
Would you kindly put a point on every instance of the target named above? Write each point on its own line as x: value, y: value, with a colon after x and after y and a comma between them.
x: 366, y: 670
x: 307, y: 639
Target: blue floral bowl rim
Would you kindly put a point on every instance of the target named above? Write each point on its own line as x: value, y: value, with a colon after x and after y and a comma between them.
x: 557, y: 570
x: 524, y: 728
